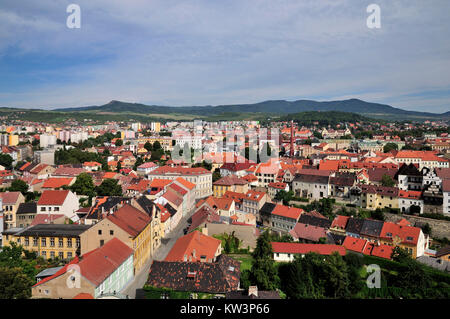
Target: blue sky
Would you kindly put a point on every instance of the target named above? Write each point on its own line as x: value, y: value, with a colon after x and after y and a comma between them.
x: 207, y: 52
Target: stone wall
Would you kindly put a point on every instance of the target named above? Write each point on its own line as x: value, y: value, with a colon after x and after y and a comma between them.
x: 439, y: 228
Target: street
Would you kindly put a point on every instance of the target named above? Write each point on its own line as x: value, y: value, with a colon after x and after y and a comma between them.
x: 160, y: 254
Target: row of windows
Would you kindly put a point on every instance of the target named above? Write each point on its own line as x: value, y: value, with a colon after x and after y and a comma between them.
x: 52, y: 242
x: 44, y: 209
x: 52, y: 254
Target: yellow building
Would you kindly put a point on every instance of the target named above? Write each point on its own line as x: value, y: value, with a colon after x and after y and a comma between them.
x: 373, y: 197
x: 128, y: 224
x: 13, y: 140
x: 48, y: 240
x: 229, y: 183
x: 10, y: 202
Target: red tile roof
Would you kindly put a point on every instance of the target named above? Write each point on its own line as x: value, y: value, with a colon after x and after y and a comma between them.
x: 407, y: 234
x: 340, y: 221
x: 286, y: 211
x: 103, y: 261
x: 354, y: 244
x: 130, y: 219
x: 297, y: 248
x: 185, y: 183
x: 193, y: 246
x: 9, y: 198
x: 53, y: 197
x: 57, y: 182
x: 308, y: 232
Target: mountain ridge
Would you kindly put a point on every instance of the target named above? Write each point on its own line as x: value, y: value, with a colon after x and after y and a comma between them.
x: 270, y: 106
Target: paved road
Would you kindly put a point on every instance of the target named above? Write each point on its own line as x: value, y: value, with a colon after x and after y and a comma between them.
x: 160, y: 254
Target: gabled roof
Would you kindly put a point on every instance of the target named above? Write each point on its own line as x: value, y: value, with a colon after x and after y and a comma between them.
x: 340, y: 221
x: 298, y: 248
x: 193, y: 246
x: 308, y: 232
x: 185, y: 183
x: 53, y: 197
x: 314, y: 221
x: 130, y: 219
x: 97, y: 265
x: 407, y: 234
x: 288, y: 212
x: 57, y: 182
x: 9, y: 198
x: 371, y: 228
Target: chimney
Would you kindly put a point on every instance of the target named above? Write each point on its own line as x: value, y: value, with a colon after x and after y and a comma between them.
x: 253, y: 290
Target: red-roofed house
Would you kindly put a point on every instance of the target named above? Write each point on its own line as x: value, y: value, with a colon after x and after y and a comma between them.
x: 105, y: 270
x: 410, y: 238
x: 410, y: 202
x: 92, y: 166
x: 130, y: 225
x: 55, y: 183
x: 285, y: 252
x: 195, y: 247
x: 284, y: 218
x: 58, y: 202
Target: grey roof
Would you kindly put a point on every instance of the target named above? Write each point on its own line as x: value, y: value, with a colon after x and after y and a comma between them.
x: 48, y: 272
x: 354, y: 225
x: 54, y: 230
x: 371, y: 227
x: 27, y: 208
x: 313, y: 179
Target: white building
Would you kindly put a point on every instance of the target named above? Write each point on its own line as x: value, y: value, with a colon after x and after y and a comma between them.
x: 58, y: 202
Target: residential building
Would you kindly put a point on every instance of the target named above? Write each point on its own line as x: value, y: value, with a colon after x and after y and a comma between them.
x: 105, y: 270
x: 49, y: 240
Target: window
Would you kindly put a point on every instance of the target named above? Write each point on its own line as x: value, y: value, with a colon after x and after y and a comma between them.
x: 102, y: 242
x: 111, y: 232
x: 52, y: 242
x: 69, y: 254
x: 69, y: 242
x: 44, y: 242
x: 61, y: 255
x: 42, y: 209
x: 60, y: 242
x: 99, y: 231
x: 35, y: 241
x: 27, y: 241
x: 52, y: 254
x: 78, y: 242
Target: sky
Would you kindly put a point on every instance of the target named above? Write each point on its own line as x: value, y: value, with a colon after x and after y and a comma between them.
x: 207, y: 52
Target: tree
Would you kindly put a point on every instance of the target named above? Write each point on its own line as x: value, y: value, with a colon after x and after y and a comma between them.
x: 6, y: 160
x: 148, y: 146
x: 84, y: 185
x: 19, y: 185
x: 264, y: 273
x: 386, y: 180
x: 109, y: 187
x: 119, y: 142
x: 284, y: 196
x: 156, y: 145
x: 119, y: 167
x: 389, y: 147
x: 14, y: 284
x: 426, y: 229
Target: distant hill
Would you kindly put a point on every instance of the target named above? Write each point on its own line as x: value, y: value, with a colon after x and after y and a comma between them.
x: 373, y: 110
